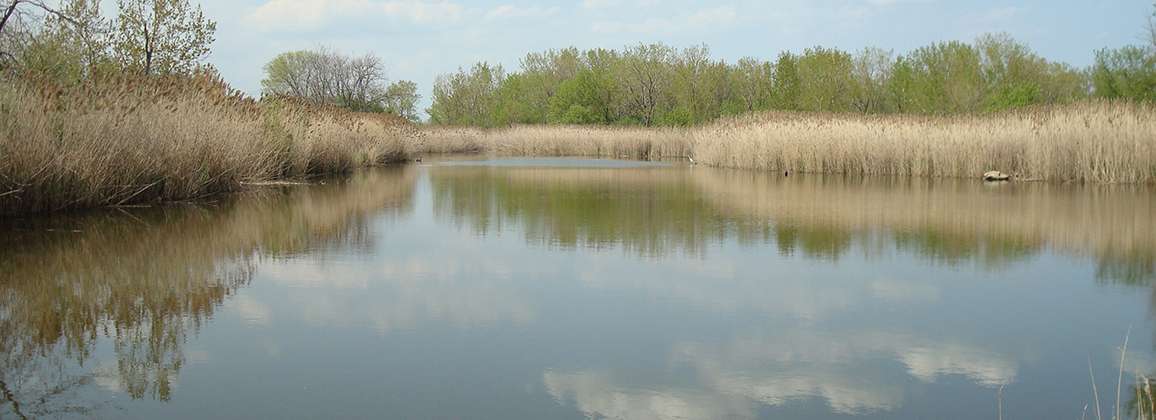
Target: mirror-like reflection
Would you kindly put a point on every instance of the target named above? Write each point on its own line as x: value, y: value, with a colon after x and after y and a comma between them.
x: 573, y: 288
x: 148, y: 280
x: 657, y: 212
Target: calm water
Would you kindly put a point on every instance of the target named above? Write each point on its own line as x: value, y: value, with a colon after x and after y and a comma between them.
x: 534, y: 289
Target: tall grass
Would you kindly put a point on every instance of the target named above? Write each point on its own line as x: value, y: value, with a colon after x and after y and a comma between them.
x: 130, y: 140
x: 1098, y: 142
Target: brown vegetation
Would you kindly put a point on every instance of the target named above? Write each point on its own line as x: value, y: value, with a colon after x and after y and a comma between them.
x: 119, y: 141
x: 1096, y: 142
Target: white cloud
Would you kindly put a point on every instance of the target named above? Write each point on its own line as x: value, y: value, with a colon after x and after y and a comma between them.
x: 511, y: 11
x: 314, y: 14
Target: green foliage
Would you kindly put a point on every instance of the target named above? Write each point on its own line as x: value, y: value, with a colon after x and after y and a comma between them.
x: 1128, y: 73
x: 655, y: 84
x: 938, y: 79
x: 75, y: 41
x: 785, y: 95
x: 467, y: 97
x: 825, y: 80
x: 578, y: 100
x: 161, y: 36
x: 1010, y: 96
x: 401, y: 99
x: 521, y: 99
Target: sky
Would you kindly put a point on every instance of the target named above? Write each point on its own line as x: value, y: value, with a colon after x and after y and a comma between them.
x: 419, y: 39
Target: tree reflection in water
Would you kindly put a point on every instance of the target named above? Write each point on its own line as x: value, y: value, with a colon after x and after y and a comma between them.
x: 147, y: 280
x: 656, y: 212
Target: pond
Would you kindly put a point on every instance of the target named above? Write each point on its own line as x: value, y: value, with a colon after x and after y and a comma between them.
x: 569, y: 288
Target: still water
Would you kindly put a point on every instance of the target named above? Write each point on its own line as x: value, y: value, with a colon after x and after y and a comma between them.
x: 554, y: 289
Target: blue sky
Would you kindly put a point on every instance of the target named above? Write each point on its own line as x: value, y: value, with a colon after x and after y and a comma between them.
x: 420, y: 39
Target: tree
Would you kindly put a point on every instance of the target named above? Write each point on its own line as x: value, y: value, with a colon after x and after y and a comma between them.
x: 939, y: 78
x: 785, y: 94
x: 1125, y: 73
x: 644, y: 75
x: 871, y: 70
x: 467, y: 97
x: 401, y: 99
x: 328, y: 77
x: 65, y: 46
x: 162, y: 36
x: 825, y: 80
x: 578, y: 101
x: 751, y: 81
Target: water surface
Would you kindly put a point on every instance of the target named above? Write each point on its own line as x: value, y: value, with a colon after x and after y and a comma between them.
x: 569, y: 288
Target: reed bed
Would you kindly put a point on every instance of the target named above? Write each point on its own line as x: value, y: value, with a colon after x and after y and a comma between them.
x: 119, y: 141
x: 1095, y: 142
x: 588, y: 141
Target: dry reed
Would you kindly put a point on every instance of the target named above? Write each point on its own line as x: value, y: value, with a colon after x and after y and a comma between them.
x: 122, y: 141
x: 1097, y: 142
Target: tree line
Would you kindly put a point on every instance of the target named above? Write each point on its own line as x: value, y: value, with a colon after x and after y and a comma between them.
x: 328, y: 77
x: 655, y: 84
x: 75, y: 41
x: 72, y: 41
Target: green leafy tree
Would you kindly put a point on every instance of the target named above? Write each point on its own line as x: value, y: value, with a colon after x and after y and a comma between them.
x: 826, y: 82
x: 580, y: 100
x: 785, y: 94
x: 871, y: 71
x: 751, y: 81
x: 401, y: 99
x: 161, y: 36
x: 939, y: 78
x: 1125, y: 73
x: 467, y: 97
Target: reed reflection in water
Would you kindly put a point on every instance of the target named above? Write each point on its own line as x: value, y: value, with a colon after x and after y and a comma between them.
x: 571, y: 288
x: 148, y: 279
x: 656, y: 212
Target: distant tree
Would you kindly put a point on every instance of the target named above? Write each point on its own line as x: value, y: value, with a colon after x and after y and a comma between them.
x: 826, y: 81
x: 328, y: 77
x: 521, y: 99
x: 752, y: 82
x: 644, y: 75
x: 401, y: 99
x: 939, y: 78
x: 161, y: 36
x: 785, y: 94
x: 467, y: 97
x: 1125, y: 73
x: 1128, y: 72
x: 871, y: 71
x: 578, y: 101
